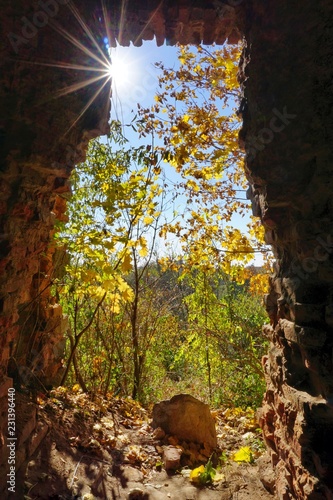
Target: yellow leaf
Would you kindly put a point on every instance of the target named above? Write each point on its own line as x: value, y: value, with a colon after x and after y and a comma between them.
x: 259, y: 284
x: 243, y: 455
x: 143, y: 251
x: 124, y: 289
x: 108, y: 285
x: 144, y: 247
x: 115, y: 309
x: 127, y: 294
x: 196, y: 473
x: 127, y: 263
x: 148, y: 219
x: 108, y: 269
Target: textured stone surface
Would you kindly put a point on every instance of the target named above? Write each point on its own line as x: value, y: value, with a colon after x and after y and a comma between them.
x: 267, y: 473
x: 171, y: 458
x: 186, y: 418
x: 287, y: 136
x: 286, y: 73
x: 172, y: 22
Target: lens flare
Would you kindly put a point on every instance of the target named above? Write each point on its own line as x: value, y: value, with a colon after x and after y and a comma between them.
x: 119, y: 71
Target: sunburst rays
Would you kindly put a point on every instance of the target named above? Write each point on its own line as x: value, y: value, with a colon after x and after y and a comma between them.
x: 99, y: 70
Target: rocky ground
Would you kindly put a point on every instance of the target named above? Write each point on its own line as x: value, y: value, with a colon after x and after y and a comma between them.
x: 106, y: 449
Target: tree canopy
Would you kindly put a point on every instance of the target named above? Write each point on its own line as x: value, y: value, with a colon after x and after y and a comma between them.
x: 124, y: 235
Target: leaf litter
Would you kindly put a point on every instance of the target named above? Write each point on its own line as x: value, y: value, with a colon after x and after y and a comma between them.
x: 104, y: 448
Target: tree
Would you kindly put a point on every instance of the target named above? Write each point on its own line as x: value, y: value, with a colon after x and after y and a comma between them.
x: 112, y: 285
x: 195, y: 117
x: 223, y: 343
x: 116, y: 202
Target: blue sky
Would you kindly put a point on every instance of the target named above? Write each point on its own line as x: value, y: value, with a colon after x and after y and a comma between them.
x: 138, y: 82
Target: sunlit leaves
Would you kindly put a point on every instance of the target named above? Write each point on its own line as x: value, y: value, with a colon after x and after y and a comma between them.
x: 126, y: 264
x: 195, y: 116
x: 116, y: 200
x: 118, y: 207
x: 204, y: 474
x: 195, y: 474
x: 244, y: 454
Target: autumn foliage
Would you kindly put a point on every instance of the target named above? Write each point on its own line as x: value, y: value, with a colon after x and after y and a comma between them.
x: 158, y: 287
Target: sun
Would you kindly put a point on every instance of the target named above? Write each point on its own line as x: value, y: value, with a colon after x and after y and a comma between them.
x: 119, y: 70
x: 111, y: 69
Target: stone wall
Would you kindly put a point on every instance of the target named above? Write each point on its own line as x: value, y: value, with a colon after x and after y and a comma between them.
x: 286, y: 74
x: 40, y: 143
x: 172, y: 21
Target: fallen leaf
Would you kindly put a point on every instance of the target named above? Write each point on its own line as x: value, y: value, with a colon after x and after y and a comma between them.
x: 196, y: 473
x: 244, y: 454
x: 219, y: 477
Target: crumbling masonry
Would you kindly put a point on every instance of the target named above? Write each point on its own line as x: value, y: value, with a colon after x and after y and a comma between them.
x: 286, y: 74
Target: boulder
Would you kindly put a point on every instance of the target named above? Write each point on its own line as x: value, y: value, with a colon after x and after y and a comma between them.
x: 186, y: 418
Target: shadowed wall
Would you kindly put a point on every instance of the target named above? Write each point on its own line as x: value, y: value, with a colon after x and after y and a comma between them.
x: 286, y: 76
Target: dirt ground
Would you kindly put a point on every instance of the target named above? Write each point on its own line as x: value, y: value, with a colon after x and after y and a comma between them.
x: 105, y: 449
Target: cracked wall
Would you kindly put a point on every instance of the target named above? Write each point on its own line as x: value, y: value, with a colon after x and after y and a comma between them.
x: 286, y: 75
x: 287, y: 133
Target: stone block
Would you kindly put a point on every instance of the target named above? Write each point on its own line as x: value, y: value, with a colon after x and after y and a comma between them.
x: 288, y: 328
x: 186, y: 418
x: 306, y: 336
x: 171, y: 457
x: 311, y: 337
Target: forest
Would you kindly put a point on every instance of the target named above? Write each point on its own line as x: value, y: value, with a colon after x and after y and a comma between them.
x: 155, y: 277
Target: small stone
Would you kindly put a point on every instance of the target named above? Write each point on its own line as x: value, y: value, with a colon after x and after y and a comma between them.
x: 171, y: 457
x: 159, y: 433
x: 248, y: 436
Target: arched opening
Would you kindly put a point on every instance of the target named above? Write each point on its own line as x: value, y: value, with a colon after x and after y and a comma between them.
x: 286, y: 133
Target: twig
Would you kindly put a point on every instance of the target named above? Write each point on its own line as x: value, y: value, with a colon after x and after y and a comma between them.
x: 93, y: 459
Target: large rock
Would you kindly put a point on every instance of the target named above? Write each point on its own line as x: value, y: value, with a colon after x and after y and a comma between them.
x: 187, y: 418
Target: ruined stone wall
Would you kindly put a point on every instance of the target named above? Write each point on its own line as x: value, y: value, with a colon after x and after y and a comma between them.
x: 44, y: 132
x: 287, y: 72
x: 174, y: 22
x: 41, y: 141
x: 40, y: 144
